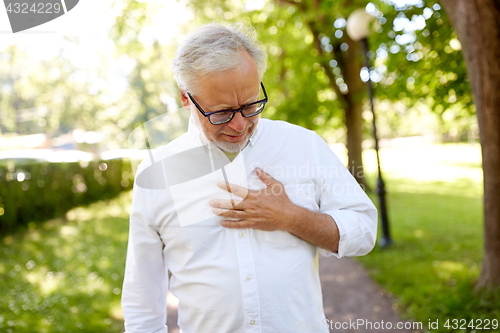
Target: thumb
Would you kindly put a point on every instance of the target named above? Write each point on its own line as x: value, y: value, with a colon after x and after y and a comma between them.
x: 265, y: 177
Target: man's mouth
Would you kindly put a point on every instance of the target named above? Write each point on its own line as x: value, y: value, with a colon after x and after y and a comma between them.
x: 233, y: 138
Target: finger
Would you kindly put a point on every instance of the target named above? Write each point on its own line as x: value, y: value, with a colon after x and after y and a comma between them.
x: 265, y: 177
x: 219, y: 211
x: 234, y: 224
x: 229, y: 213
x: 226, y: 204
x: 238, y: 190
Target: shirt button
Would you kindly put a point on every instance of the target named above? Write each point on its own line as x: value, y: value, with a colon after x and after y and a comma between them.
x: 252, y: 322
x: 248, y: 278
x: 242, y: 235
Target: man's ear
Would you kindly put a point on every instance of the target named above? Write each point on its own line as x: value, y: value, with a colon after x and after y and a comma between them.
x: 185, y: 100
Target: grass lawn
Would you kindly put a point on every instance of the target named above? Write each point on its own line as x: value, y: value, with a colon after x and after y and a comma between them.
x: 435, y: 213
x: 66, y: 275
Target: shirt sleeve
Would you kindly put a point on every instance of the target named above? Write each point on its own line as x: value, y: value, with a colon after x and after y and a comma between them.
x: 345, y: 201
x: 145, y: 284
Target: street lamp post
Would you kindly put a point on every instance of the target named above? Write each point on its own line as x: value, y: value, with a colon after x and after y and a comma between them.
x: 358, y: 29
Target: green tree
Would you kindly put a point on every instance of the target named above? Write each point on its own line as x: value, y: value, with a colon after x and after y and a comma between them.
x: 150, y: 81
x: 51, y: 96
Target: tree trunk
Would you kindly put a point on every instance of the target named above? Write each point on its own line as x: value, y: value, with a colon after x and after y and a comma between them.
x: 353, y: 111
x: 354, y: 124
x: 477, y: 24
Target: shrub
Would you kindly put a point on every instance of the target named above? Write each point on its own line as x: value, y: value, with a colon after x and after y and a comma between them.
x: 33, y: 192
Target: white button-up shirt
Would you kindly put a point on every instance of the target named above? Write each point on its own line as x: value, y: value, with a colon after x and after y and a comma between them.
x: 236, y: 280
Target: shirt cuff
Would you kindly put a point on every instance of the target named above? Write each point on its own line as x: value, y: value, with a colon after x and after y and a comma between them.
x: 350, y: 231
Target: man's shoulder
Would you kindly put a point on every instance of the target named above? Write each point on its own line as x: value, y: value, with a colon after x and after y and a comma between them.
x: 288, y: 134
x: 272, y: 126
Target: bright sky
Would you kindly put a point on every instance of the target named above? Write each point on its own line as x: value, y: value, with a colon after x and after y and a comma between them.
x: 90, y: 21
x: 86, y: 19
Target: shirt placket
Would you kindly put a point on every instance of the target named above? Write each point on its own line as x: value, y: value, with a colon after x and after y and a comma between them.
x: 246, y: 263
x: 250, y: 289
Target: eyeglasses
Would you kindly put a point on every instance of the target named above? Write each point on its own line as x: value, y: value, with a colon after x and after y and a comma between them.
x: 225, y: 116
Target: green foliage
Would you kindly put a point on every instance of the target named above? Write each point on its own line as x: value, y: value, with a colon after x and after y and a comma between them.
x: 39, y: 191
x: 300, y: 90
x: 425, y: 64
x: 128, y: 26
x: 47, y: 96
x: 151, y: 87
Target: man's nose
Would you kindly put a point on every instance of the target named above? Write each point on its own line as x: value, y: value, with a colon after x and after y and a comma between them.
x: 238, y: 123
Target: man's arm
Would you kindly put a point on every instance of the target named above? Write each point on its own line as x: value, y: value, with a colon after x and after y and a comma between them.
x: 345, y: 201
x: 145, y: 285
x: 313, y: 227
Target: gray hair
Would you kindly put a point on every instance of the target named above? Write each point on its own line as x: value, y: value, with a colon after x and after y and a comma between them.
x: 215, y: 48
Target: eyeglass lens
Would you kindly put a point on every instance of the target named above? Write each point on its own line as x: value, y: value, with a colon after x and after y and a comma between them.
x: 248, y: 111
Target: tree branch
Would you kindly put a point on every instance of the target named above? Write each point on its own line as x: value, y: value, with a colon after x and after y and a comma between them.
x: 326, y: 66
x: 286, y: 2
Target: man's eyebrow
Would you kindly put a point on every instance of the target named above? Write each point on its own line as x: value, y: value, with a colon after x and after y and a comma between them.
x: 220, y: 107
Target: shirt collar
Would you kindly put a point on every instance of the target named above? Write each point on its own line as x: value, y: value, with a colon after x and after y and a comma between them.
x: 256, y: 134
x: 195, y: 133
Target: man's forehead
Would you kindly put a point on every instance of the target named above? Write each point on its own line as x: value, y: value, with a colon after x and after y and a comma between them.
x: 224, y: 105
x: 219, y: 99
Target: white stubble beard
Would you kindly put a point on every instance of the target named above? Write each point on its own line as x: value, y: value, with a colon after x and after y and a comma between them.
x: 229, y: 147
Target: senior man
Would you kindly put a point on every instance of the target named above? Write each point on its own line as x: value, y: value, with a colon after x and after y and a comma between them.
x: 245, y: 206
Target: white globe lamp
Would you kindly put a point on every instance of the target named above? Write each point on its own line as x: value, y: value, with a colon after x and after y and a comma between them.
x: 358, y: 24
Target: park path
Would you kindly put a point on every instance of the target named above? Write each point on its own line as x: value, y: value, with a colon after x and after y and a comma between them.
x: 348, y: 294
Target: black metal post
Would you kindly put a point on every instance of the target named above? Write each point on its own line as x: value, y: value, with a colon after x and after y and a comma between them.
x: 386, y: 237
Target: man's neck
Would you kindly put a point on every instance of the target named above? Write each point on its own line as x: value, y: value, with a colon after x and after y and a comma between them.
x: 229, y: 155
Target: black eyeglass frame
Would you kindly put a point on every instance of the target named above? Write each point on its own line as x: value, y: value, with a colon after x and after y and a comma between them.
x: 208, y: 114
